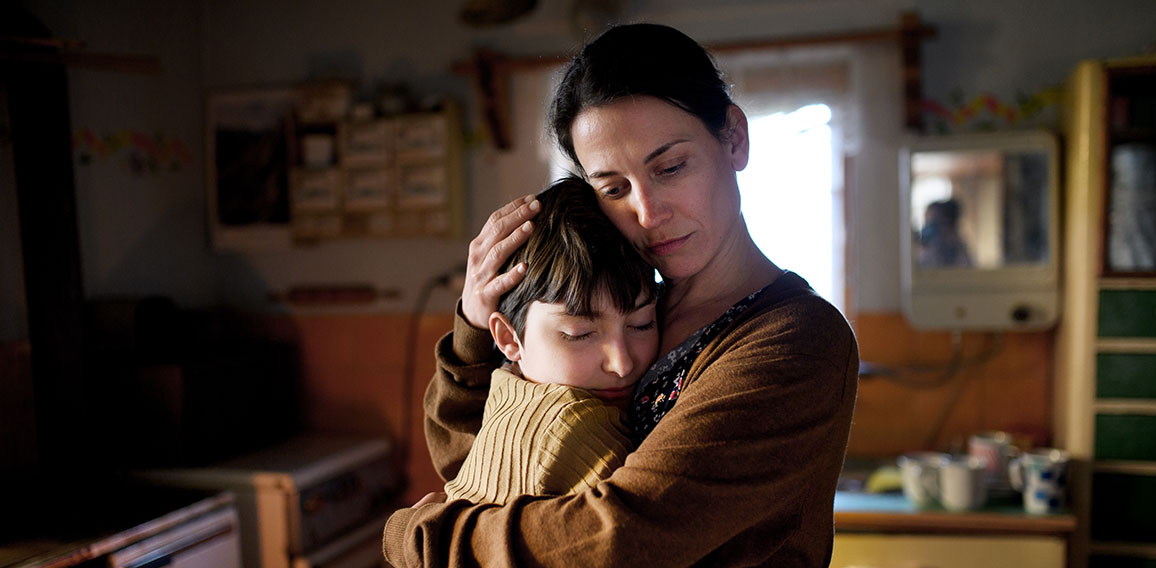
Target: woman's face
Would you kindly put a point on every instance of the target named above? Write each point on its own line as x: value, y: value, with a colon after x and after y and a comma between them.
x: 666, y: 182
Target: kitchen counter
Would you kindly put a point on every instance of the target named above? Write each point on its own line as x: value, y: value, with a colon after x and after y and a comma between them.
x: 892, y: 512
x: 885, y: 529
x: 857, y: 510
x: 67, y: 527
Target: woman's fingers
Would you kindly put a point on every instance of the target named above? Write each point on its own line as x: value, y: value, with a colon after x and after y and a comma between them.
x: 430, y: 498
x: 507, y: 229
x: 503, y: 223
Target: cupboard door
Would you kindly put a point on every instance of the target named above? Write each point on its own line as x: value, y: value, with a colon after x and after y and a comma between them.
x: 947, y: 551
x: 1115, y: 561
x: 1125, y: 437
x: 1126, y: 375
x: 1127, y: 313
x: 1122, y: 508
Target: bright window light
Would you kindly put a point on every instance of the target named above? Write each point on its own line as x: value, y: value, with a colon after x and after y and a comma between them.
x: 787, y: 195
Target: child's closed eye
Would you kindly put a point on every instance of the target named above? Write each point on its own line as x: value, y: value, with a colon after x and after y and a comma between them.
x: 575, y: 336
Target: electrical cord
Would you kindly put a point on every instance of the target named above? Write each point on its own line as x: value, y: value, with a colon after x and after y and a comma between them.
x: 408, y: 379
x: 908, y: 375
x: 902, y: 376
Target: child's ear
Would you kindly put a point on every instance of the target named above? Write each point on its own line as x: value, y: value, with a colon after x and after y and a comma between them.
x: 505, y: 336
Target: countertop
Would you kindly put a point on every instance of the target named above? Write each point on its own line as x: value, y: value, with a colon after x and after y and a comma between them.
x: 66, y: 526
x: 892, y: 512
x: 857, y: 510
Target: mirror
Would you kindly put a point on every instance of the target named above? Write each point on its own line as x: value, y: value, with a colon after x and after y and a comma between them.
x: 980, y: 235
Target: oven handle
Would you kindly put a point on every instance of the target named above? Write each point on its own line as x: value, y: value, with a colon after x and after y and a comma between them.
x: 149, y: 553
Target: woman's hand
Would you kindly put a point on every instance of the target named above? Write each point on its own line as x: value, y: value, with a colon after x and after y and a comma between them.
x: 430, y: 498
x: 505, y: 231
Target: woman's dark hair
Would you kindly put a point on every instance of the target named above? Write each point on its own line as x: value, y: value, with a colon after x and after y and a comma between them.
x: 574, y: 254
x: 640, y: 59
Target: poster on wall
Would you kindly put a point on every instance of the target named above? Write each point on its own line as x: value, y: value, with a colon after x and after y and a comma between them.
x: 249, y: 152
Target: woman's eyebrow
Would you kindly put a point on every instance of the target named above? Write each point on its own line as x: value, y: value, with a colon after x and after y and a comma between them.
x: 661, y: 149
x: 649, y: 158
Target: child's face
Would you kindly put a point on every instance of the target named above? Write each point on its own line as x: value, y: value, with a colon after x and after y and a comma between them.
x: 605, y: 354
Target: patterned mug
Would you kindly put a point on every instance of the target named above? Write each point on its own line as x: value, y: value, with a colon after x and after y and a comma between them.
x: 1042, y: 475
x: 997, y: 451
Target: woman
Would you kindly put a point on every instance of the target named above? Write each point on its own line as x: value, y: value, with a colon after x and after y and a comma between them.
x: 742, y: 423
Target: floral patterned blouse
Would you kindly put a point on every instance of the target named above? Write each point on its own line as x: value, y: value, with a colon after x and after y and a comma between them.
x: 659, y: 388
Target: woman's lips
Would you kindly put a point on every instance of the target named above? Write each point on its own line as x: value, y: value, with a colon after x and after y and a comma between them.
x: 666, y: 247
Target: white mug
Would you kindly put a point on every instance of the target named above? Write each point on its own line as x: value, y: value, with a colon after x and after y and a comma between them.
x: 919, y: 473
x: 963, y: 483
x: 1042, y: 475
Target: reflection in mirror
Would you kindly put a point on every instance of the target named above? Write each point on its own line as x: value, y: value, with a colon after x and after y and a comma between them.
x: 979, y: 238
x: 984, y: 209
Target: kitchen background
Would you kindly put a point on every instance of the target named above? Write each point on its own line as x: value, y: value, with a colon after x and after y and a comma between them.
x: 143, y: 233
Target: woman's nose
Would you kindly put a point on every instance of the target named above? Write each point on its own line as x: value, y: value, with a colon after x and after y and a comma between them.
x: 649, y: 207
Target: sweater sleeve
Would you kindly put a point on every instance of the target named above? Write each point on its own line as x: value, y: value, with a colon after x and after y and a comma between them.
x: 584, y: 444
x: 741, y: 471
x: 456, y: 396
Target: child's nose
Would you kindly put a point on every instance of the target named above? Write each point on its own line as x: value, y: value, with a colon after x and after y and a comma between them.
x: 616, y: 358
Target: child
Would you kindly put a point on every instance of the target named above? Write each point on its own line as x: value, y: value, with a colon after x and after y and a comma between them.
x: 577, y: 332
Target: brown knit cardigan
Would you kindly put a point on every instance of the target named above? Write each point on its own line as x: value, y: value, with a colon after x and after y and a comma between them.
x: 740, y: 472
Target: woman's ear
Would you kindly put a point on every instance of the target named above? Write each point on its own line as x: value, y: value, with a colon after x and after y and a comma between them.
x: 737, y: 140
x: 505, y: 336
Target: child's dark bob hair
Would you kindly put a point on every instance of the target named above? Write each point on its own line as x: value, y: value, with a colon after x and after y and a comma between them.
x: 574, y: 254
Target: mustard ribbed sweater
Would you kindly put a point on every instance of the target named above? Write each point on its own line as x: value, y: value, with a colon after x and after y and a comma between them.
x: 539, y: 439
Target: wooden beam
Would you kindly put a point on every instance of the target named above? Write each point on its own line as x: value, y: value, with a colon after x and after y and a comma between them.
x: 491, y: 70
x: 912, y: 33
x: 70, y: 53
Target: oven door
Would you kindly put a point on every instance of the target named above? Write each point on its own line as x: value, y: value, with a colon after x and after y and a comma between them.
x: 359, y: 548
x: 210, y: 541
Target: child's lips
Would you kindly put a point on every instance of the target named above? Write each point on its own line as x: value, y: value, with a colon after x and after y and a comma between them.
x: 613, y: 394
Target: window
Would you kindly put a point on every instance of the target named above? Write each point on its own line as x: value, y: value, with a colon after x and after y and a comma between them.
x: 792, y: 188
x: 790, y: 197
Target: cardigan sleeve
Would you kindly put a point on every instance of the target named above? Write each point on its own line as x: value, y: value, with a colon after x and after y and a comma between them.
x: 741, y: 471
x: 456, y: 396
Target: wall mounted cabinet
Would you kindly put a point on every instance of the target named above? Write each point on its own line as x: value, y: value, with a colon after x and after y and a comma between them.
x: 298, y: 165
x: 1106, y: 345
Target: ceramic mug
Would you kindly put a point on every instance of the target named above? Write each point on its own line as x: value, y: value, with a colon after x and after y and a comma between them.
x: 996, y: 449
x: 1042, y: 475
x: 919, y: 474
x: 963, y: 483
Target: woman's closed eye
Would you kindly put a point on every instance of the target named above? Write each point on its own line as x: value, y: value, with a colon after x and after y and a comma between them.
x: 671, y: 169
x: 612, y: 191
